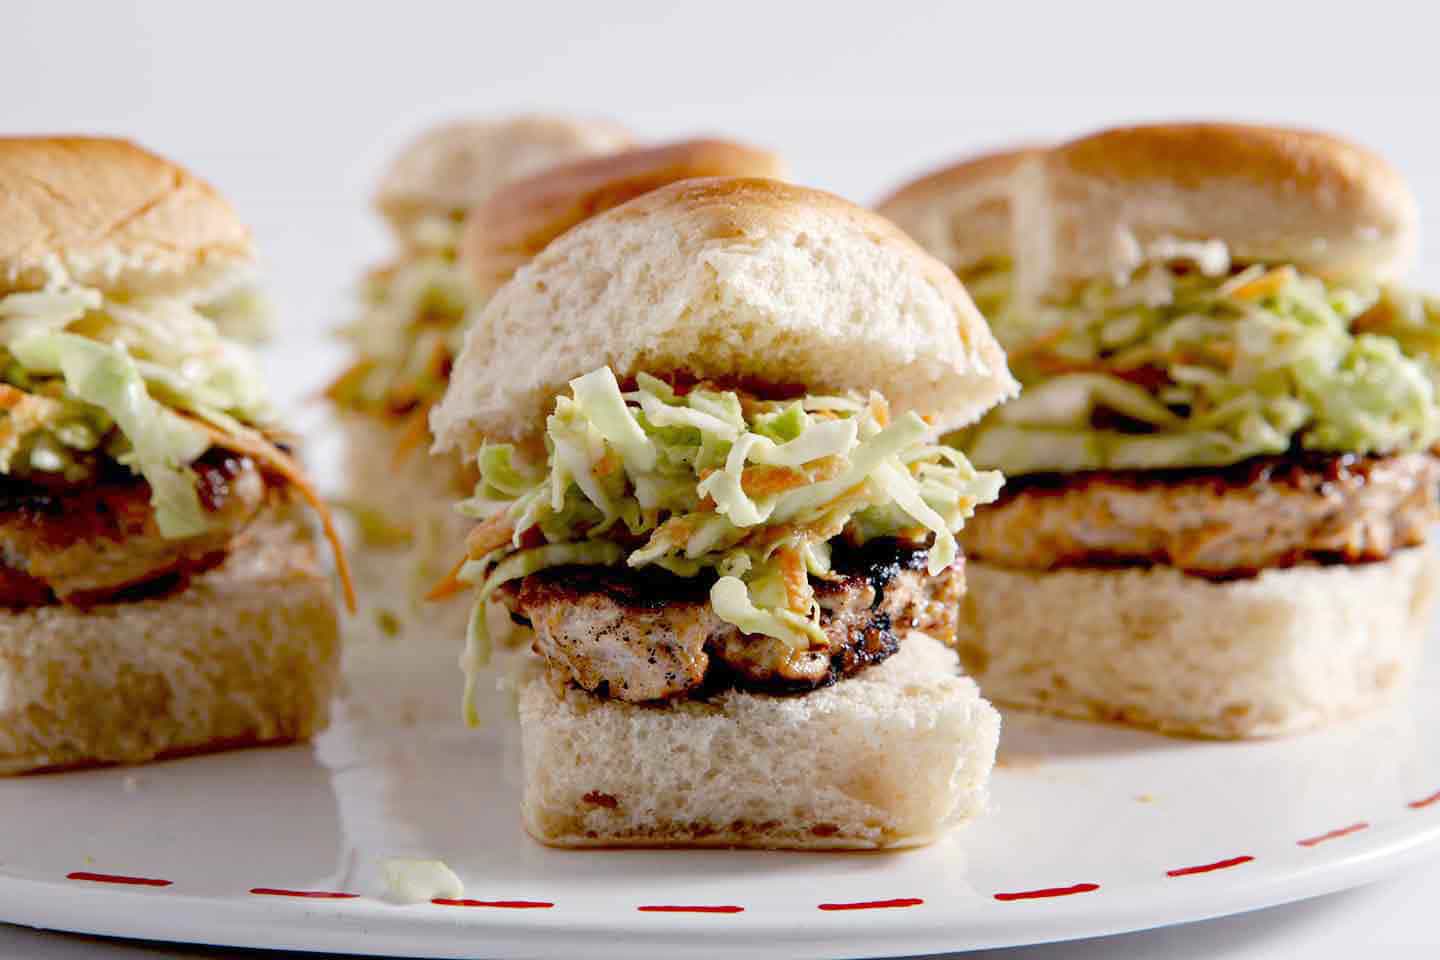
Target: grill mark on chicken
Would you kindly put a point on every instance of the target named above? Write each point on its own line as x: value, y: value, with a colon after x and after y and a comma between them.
x: 1226, y: 523
x: 98, y: 542
x: 646, y: 635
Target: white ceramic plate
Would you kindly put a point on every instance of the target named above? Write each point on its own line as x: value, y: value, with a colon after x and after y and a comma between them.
x: 1093, y: 830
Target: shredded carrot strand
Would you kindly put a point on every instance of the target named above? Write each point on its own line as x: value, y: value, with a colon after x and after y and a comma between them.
x: 439, y: 360
x: 1272, y: 281
x: 450, y: 585
x: 489, y: 535
x: 416, y: 429
x: 482, y: 538
x: 352, y: 375
x: 676, y: 531
x: 880, y: 409
x: 606, y: 465
x: 826, y: 468
x: 1051, y: 364
x: 763, y: 480
x: 10, y: 397
x: 1041, y: 343
x: 795, y: 578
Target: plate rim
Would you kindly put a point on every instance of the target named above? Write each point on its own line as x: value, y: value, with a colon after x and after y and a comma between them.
x: 241, y: 920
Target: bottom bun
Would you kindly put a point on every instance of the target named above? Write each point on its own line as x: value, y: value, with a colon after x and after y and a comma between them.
x: 1283, y: 652
x: 889, y: 758
x: 245, y: 655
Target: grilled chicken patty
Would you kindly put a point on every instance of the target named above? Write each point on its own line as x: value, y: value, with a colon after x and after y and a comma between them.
x: 645, y: 636
x: 1220, y: 523
x: 87, y: 544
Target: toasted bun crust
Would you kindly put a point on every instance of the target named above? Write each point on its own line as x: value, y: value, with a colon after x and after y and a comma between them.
x: 962, y: 213
x: 727, y: 278
x: 246, y: 654
x: 451, y: 168
x: 112, y: 215
x: 1285, y: 652
x: 1095, y: 206
x: 890, y: 758
x: 516, y: 223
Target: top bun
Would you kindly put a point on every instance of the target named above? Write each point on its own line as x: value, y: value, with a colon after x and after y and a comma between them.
x: 518, y: 222
x: 1101, y: 205
x: 746, y: 279
x: 962, y: 213
x: 450, y: 169
x: 109, y: 214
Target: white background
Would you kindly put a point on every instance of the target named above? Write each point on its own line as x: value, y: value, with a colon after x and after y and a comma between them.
x: 293, y: 108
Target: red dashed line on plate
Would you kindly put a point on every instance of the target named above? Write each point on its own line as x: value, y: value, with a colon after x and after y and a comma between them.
x: 874, y: 904
x: 303, y: 894
x: 501, y: 904
x: 683, y: 908
x: 1048, y: 892
x: 1424, y: 801
x: 1208, y: 867
x: 117, y: 878
x: 1333, y: 834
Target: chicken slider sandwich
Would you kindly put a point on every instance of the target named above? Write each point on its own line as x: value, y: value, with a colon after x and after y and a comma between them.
x: 516, y: 223
x: 1221, y: 469
x: 158, y: 596
x: 704, y: 425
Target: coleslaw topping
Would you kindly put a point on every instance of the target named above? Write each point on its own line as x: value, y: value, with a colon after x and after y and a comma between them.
x: 150, y: 383
x: 1179, y: 366
x: 713, y: 482
x: 407, y: 336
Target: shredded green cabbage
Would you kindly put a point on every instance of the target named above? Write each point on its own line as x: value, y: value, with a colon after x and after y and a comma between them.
x: 97, y: 375
x: 1178, y: 368
x: 989, y: 285
x: 746, y: 490
x: 242, y: 313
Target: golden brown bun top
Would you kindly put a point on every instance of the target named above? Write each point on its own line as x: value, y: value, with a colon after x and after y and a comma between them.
x: 756, y: 280
x: 962, y: 213
x: 519, y: 221
x: 449, y: 169
x: 1100, y: 205
x: 110, y: 214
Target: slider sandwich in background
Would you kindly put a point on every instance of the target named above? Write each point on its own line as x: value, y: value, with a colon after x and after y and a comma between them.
x: 406, y: 337
x: 962, y: 215
x: 160, y: 594
x: 516, y: 223
x: 711, y: 491
x: 1221, y: 470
